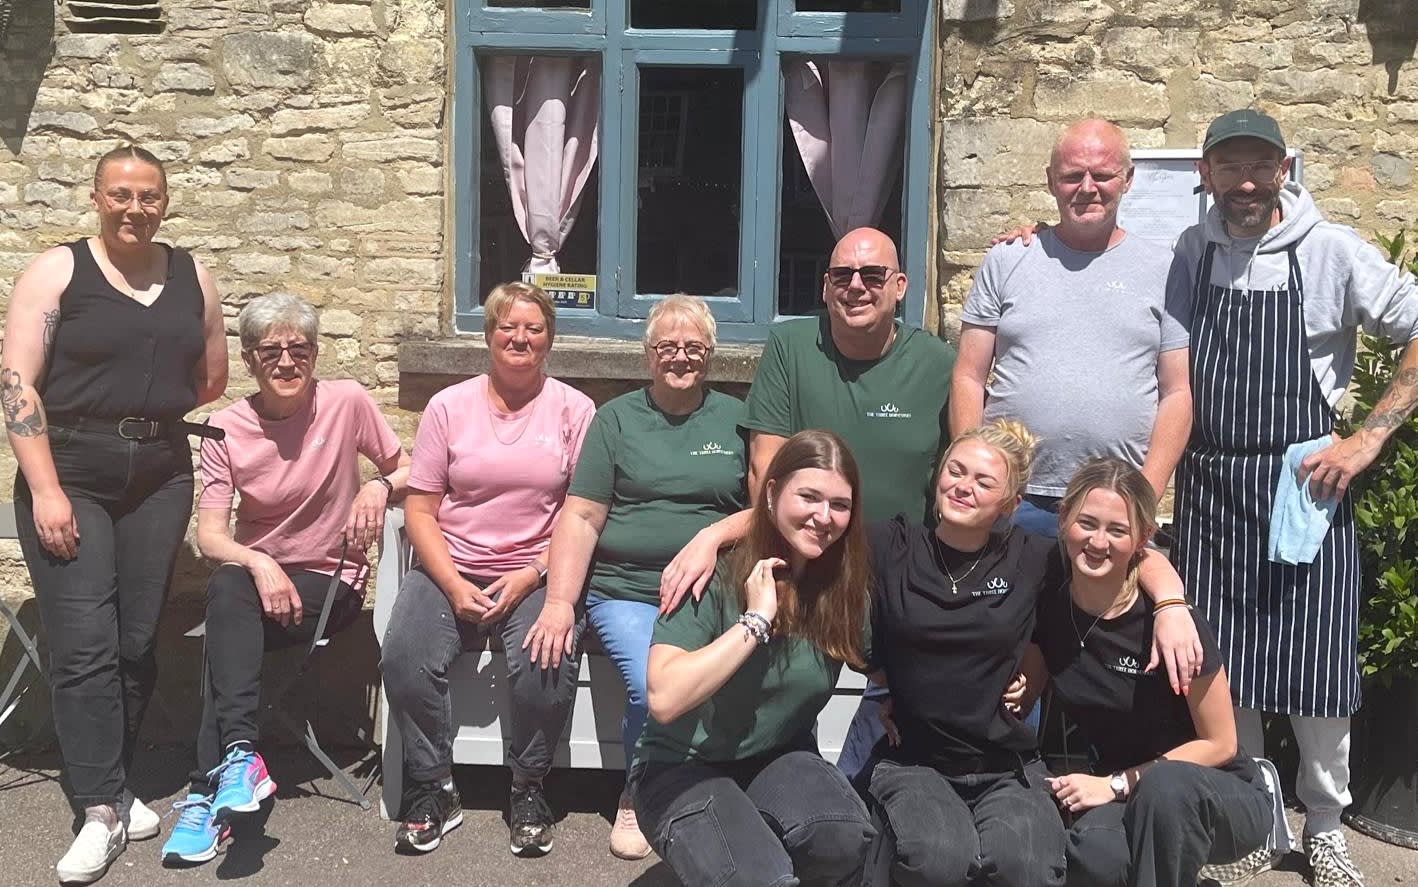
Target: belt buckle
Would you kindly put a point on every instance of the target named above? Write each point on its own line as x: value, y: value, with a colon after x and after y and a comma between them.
x: 152, y: 428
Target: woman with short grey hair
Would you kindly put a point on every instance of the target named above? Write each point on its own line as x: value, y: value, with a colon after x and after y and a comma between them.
x: 303, y: 523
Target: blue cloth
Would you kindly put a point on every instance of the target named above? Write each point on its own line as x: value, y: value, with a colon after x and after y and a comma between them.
x: 1298, y: 522
x: 1038, y: 516
x: 624, y: 628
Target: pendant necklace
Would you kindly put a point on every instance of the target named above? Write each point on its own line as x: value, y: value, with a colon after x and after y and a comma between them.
x: 940, y: 561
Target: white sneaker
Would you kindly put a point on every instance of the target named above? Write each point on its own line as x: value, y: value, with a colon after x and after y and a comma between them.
x: 141, y: 822
x: 88, y: 857
x: 1243, y: 870
x: 1330, y: 865
x: 626, y: 840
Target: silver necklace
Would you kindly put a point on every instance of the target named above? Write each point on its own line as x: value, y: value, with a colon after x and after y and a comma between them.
x: 1082, y: 639
x: 955, y: 583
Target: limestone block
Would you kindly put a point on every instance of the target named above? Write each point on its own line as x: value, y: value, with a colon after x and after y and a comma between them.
x: 421, y: 180
x: 48, y: 193
x: 289, y: 121
x: 9, y: 194
x: 408, y: 60
x: 225, y: 152
x: 261, y: 222
x: 340, y: 20
x: 1121, y: 97
x: 1404, y: 144
x: 1244, y: 52
x: 21, y: 219
x: 337, y: 322
x: 90, y: 47
x: 347, y: 66
x: 1404, y: 212
x: 386, y: 372
x: 1150, y: 53
x: 408, y: 271
x: 975, y: 10
x: 381, y: 147
x: 319, y: 267
x: 206, y: 127
x: 1318, y: 176
x: 76, y: 122
x: 1292, y: 86
x: 310, y: 182
x: 113, y: 76
x: 1212, y: 97
x: 259, y: 101
x: 418, y: 106
x: 1392, y: 171
x: 170, y: 151
x: 188, y: 180
x: 1403, y: 112
x: 971, y: 216
x: 268, y: 59
x: 287, y: 242
x: 248, y: 179
x: 315, y: 148
x: 1339, y: 208
x: 1357, y: 179
x: 258, y: 263
x: 428, y: 301
x: 184, y: 77
x: 1323, y: 140
x: 176, y: 49
x: 994, y: 152
x: 362, y: 182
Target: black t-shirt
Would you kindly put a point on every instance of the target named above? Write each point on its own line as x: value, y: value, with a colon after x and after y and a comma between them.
x: 1130, y: 716
x: 948, y: 655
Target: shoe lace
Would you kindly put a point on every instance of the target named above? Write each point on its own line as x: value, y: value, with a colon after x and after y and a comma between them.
x: 229, y: 770
x: 424, y: 803
x: 530, y: 807
x: 193, y: 812
x: 1330, y: 852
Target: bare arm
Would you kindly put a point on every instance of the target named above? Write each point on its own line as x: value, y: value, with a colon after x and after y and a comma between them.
x: 210, y: 375
x: 1333, y: 468
x: 693, y: 567
x: 678, y: 681
x: 762, y: 447
x: 30, y: 328
x: 279, y: 599
x: 1215, y: 723
x: 365, y: 523
x: 967, y: 381
x: 573, y: 542
x: 1173, y: 424
x: 1174, y: 640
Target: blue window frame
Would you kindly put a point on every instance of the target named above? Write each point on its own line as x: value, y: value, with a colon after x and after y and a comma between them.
x: 884, y: 29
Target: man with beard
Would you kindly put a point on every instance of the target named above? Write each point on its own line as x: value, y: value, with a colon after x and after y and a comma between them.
x: 1274, y: 297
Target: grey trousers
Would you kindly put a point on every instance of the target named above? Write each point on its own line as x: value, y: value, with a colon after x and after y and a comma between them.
x: 424, y: 639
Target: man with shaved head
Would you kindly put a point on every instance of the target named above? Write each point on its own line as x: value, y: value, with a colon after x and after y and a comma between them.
x: 1075, y: 328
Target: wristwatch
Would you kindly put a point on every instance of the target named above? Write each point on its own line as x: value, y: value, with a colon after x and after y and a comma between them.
x: 1119, y: 784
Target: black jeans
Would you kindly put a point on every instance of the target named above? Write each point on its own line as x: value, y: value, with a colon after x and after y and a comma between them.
x: 768, y: 822
x: 132, y: 501
x: 1179, y: 817
x: 238, y: 637
x: 422, y: 641
x: 978, y: 829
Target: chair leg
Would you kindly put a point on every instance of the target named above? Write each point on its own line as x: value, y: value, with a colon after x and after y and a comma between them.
x: 313, y: 746
x: 9, y: 699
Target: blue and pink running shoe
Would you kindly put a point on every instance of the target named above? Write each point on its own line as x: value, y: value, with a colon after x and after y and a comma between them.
x: 242, y: 783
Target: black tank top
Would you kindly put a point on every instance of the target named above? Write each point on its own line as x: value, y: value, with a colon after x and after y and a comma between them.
x: 115, y: 357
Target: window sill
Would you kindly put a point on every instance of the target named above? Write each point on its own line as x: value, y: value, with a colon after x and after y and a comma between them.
x: 603, y: 368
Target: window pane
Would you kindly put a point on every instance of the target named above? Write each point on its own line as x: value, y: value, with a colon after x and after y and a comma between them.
x: 503, y: 249
x: 541, y: 4
x: 690, y: 170
x: 806, y: 236
x: 849, y: 5
x: 736, y: 15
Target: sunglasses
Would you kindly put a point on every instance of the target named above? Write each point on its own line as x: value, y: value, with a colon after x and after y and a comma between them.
x: 873, y: 276
x: 300, y: 352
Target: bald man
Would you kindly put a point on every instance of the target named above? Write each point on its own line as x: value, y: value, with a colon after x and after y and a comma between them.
x: 1075, y: 327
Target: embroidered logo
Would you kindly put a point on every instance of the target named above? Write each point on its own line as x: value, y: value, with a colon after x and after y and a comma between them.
x: 317, y: 442
x: 888, y: 410
x: 1117, y: 286
x: 710, y: 448
x: 1127, y: 665
x: 994, y: 588
x: 542, y: 439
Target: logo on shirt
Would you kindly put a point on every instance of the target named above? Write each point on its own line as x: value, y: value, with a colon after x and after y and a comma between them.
x: 994, y: 588
x: 1117, y: 286
x: 317, y: 442
x: 543, y: 439
x: 1126, y: 665
x: 712, y: 449
x: 888, y: 410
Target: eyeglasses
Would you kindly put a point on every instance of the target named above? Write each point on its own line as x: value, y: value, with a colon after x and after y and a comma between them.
x: 300, y: 352
x: 1230, y: 174
x: 873, y: 276
x: 1100, y: 176
x: 123, y: 197
x: 666, y: 350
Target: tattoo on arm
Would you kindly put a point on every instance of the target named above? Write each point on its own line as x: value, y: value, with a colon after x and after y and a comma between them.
x: 12, y: 399
x: 51, y: 329
x: 1394, y: 408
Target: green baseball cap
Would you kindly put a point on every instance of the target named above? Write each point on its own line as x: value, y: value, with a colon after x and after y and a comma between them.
x: 1244, y: 123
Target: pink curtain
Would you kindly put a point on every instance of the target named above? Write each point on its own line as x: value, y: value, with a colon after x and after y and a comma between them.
x: 847, y: 117
x: 545, y: 113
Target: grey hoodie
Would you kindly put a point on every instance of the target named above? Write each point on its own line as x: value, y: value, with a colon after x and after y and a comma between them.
x: 1348, y: 284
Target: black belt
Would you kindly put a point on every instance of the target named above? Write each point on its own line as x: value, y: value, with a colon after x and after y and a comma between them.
x: 134, y: 428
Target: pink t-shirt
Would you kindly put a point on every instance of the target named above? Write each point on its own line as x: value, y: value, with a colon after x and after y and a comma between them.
x: 504, y: 477
x: 298, y: 476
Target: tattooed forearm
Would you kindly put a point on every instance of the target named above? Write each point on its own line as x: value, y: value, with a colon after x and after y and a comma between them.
x: 22, y: 418
x: 1397, y: 403
x: 51, y: 329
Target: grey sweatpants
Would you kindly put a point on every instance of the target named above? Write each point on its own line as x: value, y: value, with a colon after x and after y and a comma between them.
x: 424, y: 639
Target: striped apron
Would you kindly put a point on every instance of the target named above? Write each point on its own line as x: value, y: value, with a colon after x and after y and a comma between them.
x: 1288, y: 634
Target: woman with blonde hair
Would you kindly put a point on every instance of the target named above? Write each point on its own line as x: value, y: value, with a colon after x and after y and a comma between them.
x: 1171, y: 791
x: 660, y: 465
x: 727, y: 779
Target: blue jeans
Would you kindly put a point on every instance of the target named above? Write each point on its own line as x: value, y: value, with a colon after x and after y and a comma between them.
x: 1038, y: 515
x: 624, y: 628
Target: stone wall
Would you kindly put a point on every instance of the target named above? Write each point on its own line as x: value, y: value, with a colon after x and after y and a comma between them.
x: 1337, y: 74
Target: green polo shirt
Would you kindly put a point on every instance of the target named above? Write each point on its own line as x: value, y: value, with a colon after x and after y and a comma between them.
x: 891, y: 411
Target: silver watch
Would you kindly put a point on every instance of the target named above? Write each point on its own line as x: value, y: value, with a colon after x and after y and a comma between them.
x: 1119, y: 784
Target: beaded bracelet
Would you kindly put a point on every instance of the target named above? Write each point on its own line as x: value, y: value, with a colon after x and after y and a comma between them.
x: 757, y: 626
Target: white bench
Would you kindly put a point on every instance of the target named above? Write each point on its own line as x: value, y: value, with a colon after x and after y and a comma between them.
x: 479, y: 697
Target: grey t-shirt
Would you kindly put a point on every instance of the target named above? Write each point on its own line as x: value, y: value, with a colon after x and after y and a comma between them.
x: 1077, y: 336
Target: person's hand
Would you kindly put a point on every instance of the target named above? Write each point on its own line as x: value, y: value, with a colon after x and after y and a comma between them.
x: 884, y: 711
x: 1024, y: 232
x: 690, y: 571
x: 509, y: 590
x: 469, y: 602
x: 1078, y: 792
x: 1014, y: 694
x: 552, y: 635
x: 279, y: 600
x: 762, y: 589
x: 366, y: 520
x: 1332, y: 469
x: 1175, y: 644
x: 56, y: 526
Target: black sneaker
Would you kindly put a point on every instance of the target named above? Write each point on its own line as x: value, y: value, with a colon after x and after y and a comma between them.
x: 433, y: 811
x: 532, y: 821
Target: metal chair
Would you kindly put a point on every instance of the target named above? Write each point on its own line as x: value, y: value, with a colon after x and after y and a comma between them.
x: 12, y: 694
